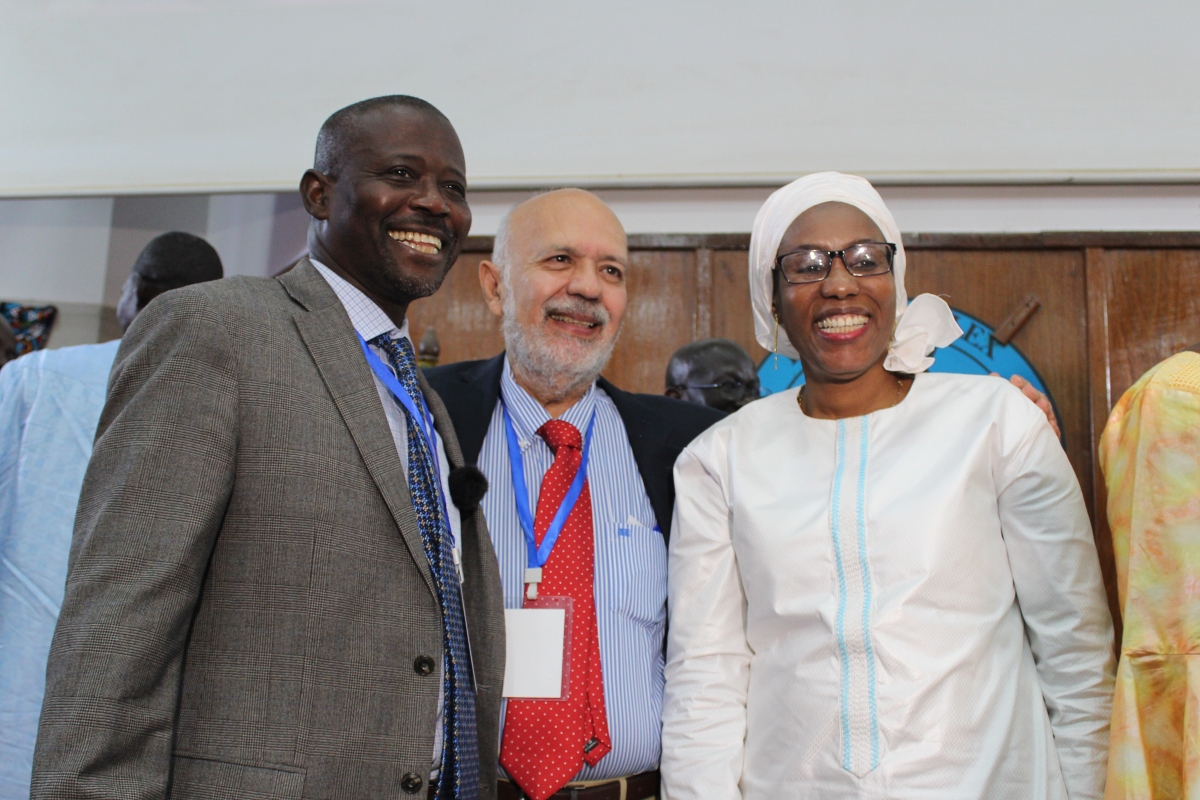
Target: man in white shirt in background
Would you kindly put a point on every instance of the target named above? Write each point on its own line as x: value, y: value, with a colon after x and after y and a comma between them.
x: 50, y: 403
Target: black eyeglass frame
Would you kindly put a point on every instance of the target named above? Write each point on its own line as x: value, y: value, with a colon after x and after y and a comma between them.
x: 831, y: 255
x: 727, y: 386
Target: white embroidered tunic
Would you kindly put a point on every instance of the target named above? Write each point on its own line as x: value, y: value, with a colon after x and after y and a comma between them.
x: 901, y: 605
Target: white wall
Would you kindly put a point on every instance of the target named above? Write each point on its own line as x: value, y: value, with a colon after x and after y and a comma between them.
x: 55, y: 252
x: 54, y: 249
x: 113, y: 96
x: 918, y: 209
x: 239, y: 227
x: 76, y: 253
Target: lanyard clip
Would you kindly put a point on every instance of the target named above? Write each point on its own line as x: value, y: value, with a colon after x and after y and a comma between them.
x: 533, y: 576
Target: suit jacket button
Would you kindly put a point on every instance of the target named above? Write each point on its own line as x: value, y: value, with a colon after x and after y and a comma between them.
x: 424, y: 665
x: 411, y: 782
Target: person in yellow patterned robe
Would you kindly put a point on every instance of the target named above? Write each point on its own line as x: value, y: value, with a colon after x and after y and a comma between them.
x: 1150, y: 454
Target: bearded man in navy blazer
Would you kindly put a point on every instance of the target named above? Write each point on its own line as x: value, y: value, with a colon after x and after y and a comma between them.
x: 557, y: 279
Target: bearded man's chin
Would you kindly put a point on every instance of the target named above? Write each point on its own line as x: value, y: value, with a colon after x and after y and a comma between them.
x: 561, y: 365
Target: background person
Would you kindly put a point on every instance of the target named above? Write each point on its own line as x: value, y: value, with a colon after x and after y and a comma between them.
x: 264, y: 597
x: 50, y: 402
x: 557, y: 279
x: 716, y: 373
x: 8, y: 342
x: 884, y: 585
x: 1150, y: 454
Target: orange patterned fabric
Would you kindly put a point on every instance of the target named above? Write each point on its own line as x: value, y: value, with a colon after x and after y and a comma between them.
x: 1150, y: 454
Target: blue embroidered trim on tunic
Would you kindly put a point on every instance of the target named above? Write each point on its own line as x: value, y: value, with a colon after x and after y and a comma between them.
x: 859, y: 713
x: 847, y: 748
x: 866, y: 611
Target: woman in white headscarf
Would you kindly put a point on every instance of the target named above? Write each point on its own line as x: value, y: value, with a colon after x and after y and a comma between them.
x: 883, y: 585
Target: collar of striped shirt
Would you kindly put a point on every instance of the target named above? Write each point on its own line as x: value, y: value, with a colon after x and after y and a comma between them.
x: 528, y: 415
x: 366, y: 317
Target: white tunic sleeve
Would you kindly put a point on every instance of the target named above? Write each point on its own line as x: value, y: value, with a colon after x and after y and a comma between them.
x: 708, y: 659
x: 1060, y: 592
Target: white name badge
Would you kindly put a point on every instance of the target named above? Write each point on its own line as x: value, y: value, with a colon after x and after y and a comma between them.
x: 536, y: 640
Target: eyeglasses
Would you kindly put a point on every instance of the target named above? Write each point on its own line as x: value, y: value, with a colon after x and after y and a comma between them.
x: 810, y: 265
x: 725, y: 386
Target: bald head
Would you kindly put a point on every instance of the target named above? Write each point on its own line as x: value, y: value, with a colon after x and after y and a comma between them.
x: 557, y: 215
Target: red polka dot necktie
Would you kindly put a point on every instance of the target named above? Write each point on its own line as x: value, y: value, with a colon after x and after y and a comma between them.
x: 546, y: 742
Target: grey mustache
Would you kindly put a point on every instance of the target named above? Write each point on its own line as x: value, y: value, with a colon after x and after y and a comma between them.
x: 593, y: 312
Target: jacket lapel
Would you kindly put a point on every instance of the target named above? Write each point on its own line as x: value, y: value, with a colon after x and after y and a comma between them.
x: 330, y: 338
x: 470, y: 396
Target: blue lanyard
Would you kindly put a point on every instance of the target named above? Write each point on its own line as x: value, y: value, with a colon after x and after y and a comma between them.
x: 422, y: 414
x: 539, y: 555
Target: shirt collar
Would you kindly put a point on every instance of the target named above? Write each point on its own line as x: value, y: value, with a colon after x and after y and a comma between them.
x: 528, y: 415
x: 366, y: 317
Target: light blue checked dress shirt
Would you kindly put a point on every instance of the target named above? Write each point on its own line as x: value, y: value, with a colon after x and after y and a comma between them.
x: 631, y: 562
x: 371, y: 321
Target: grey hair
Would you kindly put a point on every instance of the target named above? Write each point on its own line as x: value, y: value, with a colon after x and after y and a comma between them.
x: 501, y: 252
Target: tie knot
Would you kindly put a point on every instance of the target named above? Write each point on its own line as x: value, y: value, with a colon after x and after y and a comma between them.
x: 400, y: 354
x: 558, y: 433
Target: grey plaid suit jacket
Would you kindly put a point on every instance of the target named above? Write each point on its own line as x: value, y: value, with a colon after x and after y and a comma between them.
x: 248, y: 594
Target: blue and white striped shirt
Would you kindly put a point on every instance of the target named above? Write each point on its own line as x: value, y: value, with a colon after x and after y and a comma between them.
x: 631, y: 562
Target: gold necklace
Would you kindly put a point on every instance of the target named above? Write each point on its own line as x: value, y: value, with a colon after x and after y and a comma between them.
x: 896, y: 402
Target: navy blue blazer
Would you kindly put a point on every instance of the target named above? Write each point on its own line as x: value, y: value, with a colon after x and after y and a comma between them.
x: 658, y: 427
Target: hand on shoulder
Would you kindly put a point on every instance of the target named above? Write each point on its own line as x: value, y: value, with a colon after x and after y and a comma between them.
x: 1038, y: 399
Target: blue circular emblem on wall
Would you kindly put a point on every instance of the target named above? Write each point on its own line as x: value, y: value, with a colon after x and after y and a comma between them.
x: 976, y: 352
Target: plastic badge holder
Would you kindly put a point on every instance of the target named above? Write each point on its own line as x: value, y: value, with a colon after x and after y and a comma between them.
x: 567, y: 605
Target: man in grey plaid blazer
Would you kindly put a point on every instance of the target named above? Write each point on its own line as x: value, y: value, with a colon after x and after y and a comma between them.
x: 249, y: 611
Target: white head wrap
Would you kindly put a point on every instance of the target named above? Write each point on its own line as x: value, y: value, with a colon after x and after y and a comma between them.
x: 921, y: 325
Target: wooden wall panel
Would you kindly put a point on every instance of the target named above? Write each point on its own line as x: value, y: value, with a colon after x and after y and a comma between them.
x: 989, y: 284
x: 466, y: 327
x: 1153, y: 309
x: 660, y: 317
x: 1096, y: 276
x: 731, y: 315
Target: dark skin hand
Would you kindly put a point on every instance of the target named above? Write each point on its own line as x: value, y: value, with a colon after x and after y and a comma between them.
x: 393, y: 219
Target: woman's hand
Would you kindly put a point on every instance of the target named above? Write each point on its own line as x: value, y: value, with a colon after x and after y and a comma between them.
x: 1040, y: 400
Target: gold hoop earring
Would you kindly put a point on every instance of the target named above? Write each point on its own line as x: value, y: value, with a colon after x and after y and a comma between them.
x: 776, y: 350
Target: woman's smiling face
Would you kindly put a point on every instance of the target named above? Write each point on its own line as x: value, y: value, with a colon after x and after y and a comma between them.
x: 841, y: 326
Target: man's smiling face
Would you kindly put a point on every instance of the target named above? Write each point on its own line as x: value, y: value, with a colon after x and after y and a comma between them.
x: 563, y: 293
x: 394, y: 213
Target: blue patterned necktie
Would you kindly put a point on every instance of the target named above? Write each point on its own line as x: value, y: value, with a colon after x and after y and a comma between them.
x: 459, y: 778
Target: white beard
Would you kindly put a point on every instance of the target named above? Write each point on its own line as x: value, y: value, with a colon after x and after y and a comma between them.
x: 559, y: 365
